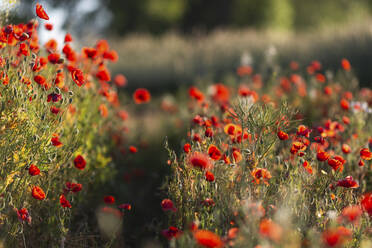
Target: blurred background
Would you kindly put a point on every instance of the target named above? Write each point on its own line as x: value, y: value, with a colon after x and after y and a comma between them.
x: 163, y: 44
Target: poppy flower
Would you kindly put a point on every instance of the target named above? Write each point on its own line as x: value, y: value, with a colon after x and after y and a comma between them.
x: 187, y: 148
x: 74, y: 187
x: 232, y: 129
x: 320, y: 78
x: 120, y: 80
x: 209, y: 176
x: 23, y: 50
x: 133, y: 149
x: 207, y: 239
x: 307, y: 167
x: 64, y: 202
x: 348, y: 182
x: 141, y: 96
x: 80, y: 162
x: 54, y: 58
x: 361, y: 163
x: 103, y: 110
x: 345, y: 64
x: 351, y: 214
x: 196, y: 94
x: 171, y: 232
x: 48, y: 26
x: 33, y: 170
x: 167, y: 205
x: 200, y: 160
x: 40, y: 80
x: 344, y: 104
x: 104, y: 75
x: 55, y: 141
x: 336, y: 237
x: 260, y: 173
x: 366, y: 203
x: 271, y: 230
x: 38, y: 193
x: 109, y: 199
x: 208, y: 132
x: 244, y: 70
x: 322, y: 155
x: 77, y: 76
x: 23, y: 215
x: 89, y: 52
x: 68, y: 38
x: 220, y: 93
x: 345, y: 148
x: 214, y: 153
x: 55, y: 110
x: 40, y: 12
x: 282, y: 135
x: 337, y: 163
x: 302, y: 130
x: 54, y: 97
x: 237, y: 156
x: 365, y: 154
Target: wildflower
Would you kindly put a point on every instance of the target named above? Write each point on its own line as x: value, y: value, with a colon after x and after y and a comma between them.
x: 208, y: 239
x: 48, y: 26
x: 348, y: 182
x: 282, y: 135
x: 271, y: 230
x: 103, y: 74
x: 187, y: 148
x: 33, y: 170
x: 345, y: 148
x: 40, y: 12
x: 54, y: 110
x: 68, y: 38
x: 74, y: 187
x: 89, y: 52
x: 80, y: 162
x: 344, y: 104
x: 322, y: 155
x: 345, y: 64
x: 171, y: 232
x: 103, y: 110
x: 336, y: 236
x: 209, y: 176
x: 38, y: 193
x: 232, y: 129
x: 351, y: 214
x: 237, y: 156
x: 200, y: 160
x: 109, y: 199
x: 141, y: 96
x: 208, y: 202
x: 55, y: 141
x: 244, y: 70
x: 337, y: 163
x: 196, y: 94
x: 302, y: 130
x: 307, y: 167
x: 260, y: 173
x: 167, y: 205
x: 220, y: 93
x: 365, y: 154
x: 64, y: 202
x: 214, y: 153
x: 54, y: 58
x: 77, y: 76
x: 23, y: 215
x: 361, y: 163
x: 366, y: 203
x: 120, y: 80
x: 133, y: 149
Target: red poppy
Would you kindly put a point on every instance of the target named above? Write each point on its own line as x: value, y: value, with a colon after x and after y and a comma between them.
x: 307, y: 167
x: 282, y: 135
x: 200, y: 160
x: 104, y: 75
x: 23, y: 215
x: 33, y: 170
x: 271, y: 230
x: 167, y: 205
x: 79, y: 162
x: 345, y: 64
x: 120, y: 80
x: 171, y: 232
x: 196, y: 94
x: 23, y: 50
x: 55, y: 141
x: 74, y: 187
x: 365, y: 154
x: 109, y: 199
x: 344, y: 104
x: 337, y: 163
x: 352, y: 214
x: 187, y: 148
x: 320, y: 77
x: 77, y: 76
x: 64, y: 202
x: 133, y: 149
x: 302, y: 130
x: 68, y: 38
x: 89, y: 52
x: 141, y: 96
x: 345, y: 148
x: 220, y: 93
x: 348, y: 182
x: 366, y: 203
x: 208, y: 239
x: 48, y: 26
x: 260, y: 173
x: 209, y: 176
x: 38, y: 193
x: 54, y: 110
x: 54, y: 97
x: 237, y: 156
x: 214, y: 152
x: 54, y: 58
x: 40, y: 12
x: 335, y: 237
x: 322, y: 155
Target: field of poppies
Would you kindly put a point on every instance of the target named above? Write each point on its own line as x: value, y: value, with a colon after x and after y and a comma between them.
x: 273, y: 156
